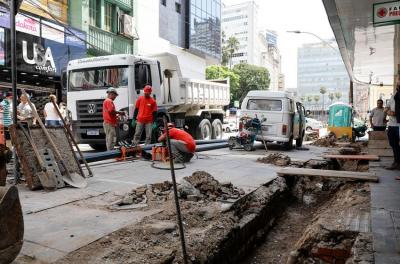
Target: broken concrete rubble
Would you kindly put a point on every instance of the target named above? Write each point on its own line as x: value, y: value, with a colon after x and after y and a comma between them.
x: 278, y: 159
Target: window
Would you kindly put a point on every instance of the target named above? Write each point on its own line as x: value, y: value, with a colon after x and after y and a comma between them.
x: 109, y: 17
x: 164, y: 2
x: 98, y: 78
x: 178, y: 7
x: 264, y: 104
x: 95, y: 13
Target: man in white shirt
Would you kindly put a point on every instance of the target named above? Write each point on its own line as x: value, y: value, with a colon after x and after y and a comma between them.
x: 377, y: 118
x: 393, y: 128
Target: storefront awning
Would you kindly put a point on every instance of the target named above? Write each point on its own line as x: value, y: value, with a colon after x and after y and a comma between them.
x: 371, y: 54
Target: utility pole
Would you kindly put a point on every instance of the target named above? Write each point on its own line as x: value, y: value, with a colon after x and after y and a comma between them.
x: 14, y: 6
x: 351, y: 93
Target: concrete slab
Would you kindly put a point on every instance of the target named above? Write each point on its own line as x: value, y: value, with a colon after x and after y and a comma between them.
x: 69, y: 227
x: 35, y: 201
x: 385, y: 214
x: 39, y: 253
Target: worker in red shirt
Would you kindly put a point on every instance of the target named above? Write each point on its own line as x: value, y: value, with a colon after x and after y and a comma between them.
x: 183, y: 145
x: 110, y: 118
x: 144, y: 116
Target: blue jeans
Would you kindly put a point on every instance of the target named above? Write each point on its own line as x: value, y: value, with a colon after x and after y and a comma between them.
x: 393, y: 136
x: 53, y: 123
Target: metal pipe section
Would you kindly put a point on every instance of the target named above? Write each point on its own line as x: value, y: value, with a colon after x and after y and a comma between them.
x: 203, y: 146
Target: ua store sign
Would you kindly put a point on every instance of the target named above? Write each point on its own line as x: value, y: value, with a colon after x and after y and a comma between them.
x: 33, y: 56
x: 42, y: 59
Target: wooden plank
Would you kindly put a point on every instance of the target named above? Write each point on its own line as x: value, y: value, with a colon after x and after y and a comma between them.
x: 351, y: 157
x: 349, y: 175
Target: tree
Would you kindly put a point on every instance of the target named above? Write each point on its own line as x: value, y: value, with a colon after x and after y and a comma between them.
x: 232, y: 45
x: 225, y: 52
x: 316, y: 99
x: 251, y: 77
x: 331, y: 96
x: 338, y: 95
x: 222, y: 72
x: 303, y: 99
x: 322, y: 91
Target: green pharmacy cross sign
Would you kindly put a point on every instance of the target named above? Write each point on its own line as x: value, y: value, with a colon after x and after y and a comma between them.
x: 386, y: 13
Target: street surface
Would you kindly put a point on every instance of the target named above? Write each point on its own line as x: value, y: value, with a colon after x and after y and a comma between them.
x: 60, y: 222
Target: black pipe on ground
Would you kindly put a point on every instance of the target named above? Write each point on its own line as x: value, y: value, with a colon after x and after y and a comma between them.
x: 202, y: 145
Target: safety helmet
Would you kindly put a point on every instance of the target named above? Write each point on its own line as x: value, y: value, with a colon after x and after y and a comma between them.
x: 112, y: 90
x: 147, y: 89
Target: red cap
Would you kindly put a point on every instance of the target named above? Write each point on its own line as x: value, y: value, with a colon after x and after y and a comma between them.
x: 147, y: 89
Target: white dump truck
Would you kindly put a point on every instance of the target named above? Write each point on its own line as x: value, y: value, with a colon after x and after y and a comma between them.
x: 195, y: 105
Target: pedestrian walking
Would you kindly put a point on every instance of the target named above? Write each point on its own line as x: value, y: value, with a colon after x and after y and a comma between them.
x: 52, y: 119
x: 392, y: 109
x: 24, y: 111
x: 144, y: 116
x: 110, y: 118
x: 183, y: 145
x: 377, y: 117
x: 7, y: 109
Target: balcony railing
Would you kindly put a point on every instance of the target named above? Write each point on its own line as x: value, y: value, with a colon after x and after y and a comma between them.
x: 109, y: 42
x: 123, y: 3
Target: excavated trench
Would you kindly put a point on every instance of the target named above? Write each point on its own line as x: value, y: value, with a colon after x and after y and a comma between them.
x: 288, y: 220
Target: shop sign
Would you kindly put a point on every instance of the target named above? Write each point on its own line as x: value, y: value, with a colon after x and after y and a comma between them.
x: 4, y: 17
x: 27, y: 24
x: 42, y: 58
x: 387, y: 13
x: 52, y: 31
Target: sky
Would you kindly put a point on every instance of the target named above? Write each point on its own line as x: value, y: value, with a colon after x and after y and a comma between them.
x: 284, y: 15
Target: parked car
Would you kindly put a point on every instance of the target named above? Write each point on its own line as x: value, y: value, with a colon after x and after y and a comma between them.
x: 229, y: 126
x: 313, y: 124
x: 282, y: 116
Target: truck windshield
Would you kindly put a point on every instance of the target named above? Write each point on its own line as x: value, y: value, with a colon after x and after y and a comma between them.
x: 98, y: 78
x: 264, y: 105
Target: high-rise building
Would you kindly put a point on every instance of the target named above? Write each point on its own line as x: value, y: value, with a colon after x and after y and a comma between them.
x: 240, y: 21
x: 256, y: 47
x: 189, y: 29
x: 320, y: 65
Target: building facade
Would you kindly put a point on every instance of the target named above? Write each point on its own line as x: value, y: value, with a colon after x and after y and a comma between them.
x: 319, y: 65
x: 44, y: 45
x: 106, y: 23
x: 241, y: 21
x: 189, y: 29
x: 256, y: 47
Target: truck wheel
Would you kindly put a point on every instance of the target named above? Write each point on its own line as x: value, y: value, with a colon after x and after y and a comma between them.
x: 98, y: 147
x: 217, y: 129
x: 299, y: 141
x: 204, y: 130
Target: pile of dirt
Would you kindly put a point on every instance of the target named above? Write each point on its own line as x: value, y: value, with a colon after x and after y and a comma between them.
x: 278, y: 159
x: 311, y: 135
x: 201, y: 185
x: 325, y: 142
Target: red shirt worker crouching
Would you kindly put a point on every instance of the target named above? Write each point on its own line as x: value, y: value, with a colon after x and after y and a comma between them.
x: 183, y: 145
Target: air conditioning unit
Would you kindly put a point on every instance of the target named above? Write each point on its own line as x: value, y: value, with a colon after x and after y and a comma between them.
x: 127, y: 26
